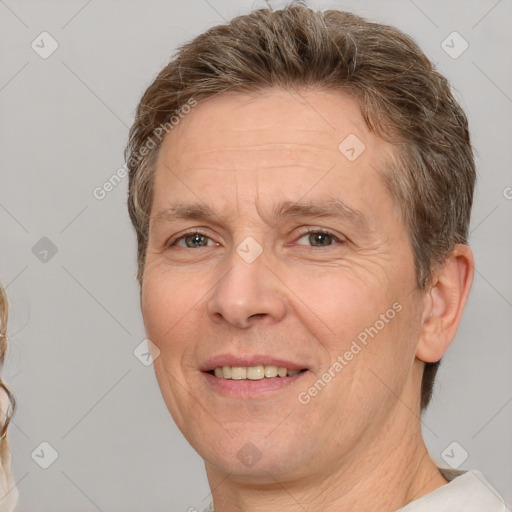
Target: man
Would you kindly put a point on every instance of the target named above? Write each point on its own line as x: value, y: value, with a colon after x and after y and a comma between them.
x: 301, y: 185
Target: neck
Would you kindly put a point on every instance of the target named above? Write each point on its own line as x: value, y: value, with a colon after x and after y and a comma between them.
x: 390, y: 472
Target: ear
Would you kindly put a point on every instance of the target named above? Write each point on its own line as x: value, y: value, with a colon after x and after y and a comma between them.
x: 444, y: 303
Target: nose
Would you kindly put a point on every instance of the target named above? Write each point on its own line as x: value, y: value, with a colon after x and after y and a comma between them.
x: 247, y: 292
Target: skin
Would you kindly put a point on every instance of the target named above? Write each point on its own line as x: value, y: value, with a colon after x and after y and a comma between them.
x: 357, y: 444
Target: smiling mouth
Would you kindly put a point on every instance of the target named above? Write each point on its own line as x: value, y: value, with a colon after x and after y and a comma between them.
x: 259, y: 372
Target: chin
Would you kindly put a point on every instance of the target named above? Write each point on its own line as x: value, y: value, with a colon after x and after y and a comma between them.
x: 252, y: 454
x: 252, y: 467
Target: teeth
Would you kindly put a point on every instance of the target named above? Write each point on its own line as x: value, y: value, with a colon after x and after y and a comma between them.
x: 252, y: 372
x: 255, y: 372
x: 238, y: 372
x: 270, y: 371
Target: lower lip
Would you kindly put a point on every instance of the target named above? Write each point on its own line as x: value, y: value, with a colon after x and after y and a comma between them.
x: 250, y: 388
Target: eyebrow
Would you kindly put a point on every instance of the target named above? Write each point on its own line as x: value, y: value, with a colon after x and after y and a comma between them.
x: 332, y: 207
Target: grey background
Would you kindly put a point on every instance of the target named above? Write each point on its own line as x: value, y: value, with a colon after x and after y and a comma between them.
x: 74, y: 318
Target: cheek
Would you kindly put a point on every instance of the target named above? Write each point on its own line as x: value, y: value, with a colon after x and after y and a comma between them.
x: 173, y: 313
x: 154, y: 304
x: 166, y: 314
x: 367, y: 322
x: 163, y: 304
x: 387, y: 357
x: 338, y: 304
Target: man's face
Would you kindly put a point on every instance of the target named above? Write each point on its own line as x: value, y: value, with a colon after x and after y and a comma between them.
x: 272, y: 245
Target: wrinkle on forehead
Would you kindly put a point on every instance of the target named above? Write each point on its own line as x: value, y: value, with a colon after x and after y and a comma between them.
x: 267, y: 118
x: 271, y: 143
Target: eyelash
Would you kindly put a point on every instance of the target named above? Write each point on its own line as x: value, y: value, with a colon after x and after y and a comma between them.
x: 307, y: 231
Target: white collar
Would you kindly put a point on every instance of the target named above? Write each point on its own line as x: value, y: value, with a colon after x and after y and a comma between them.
x: 468, y: 492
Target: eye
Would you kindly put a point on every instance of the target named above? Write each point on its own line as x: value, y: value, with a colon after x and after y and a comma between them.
x: 192, y: 240
x: 319, y: 238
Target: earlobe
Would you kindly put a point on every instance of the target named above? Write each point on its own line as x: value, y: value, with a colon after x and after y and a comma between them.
x: 444, y: 304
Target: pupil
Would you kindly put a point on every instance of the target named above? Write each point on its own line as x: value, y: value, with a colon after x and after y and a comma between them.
x: 196, y: 241
x: 320, y: 238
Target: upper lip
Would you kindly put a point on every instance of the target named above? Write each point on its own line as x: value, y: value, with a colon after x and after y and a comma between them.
x: 252, y: 360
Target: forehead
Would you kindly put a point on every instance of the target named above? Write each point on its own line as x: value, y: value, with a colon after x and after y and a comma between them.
x: 300, y: 121
x: 275, y: 141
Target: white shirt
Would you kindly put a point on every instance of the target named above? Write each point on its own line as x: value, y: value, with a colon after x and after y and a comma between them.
x: 467, y: 491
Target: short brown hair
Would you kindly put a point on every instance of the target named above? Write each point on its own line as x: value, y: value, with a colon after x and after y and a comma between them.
x: 402, y: 97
